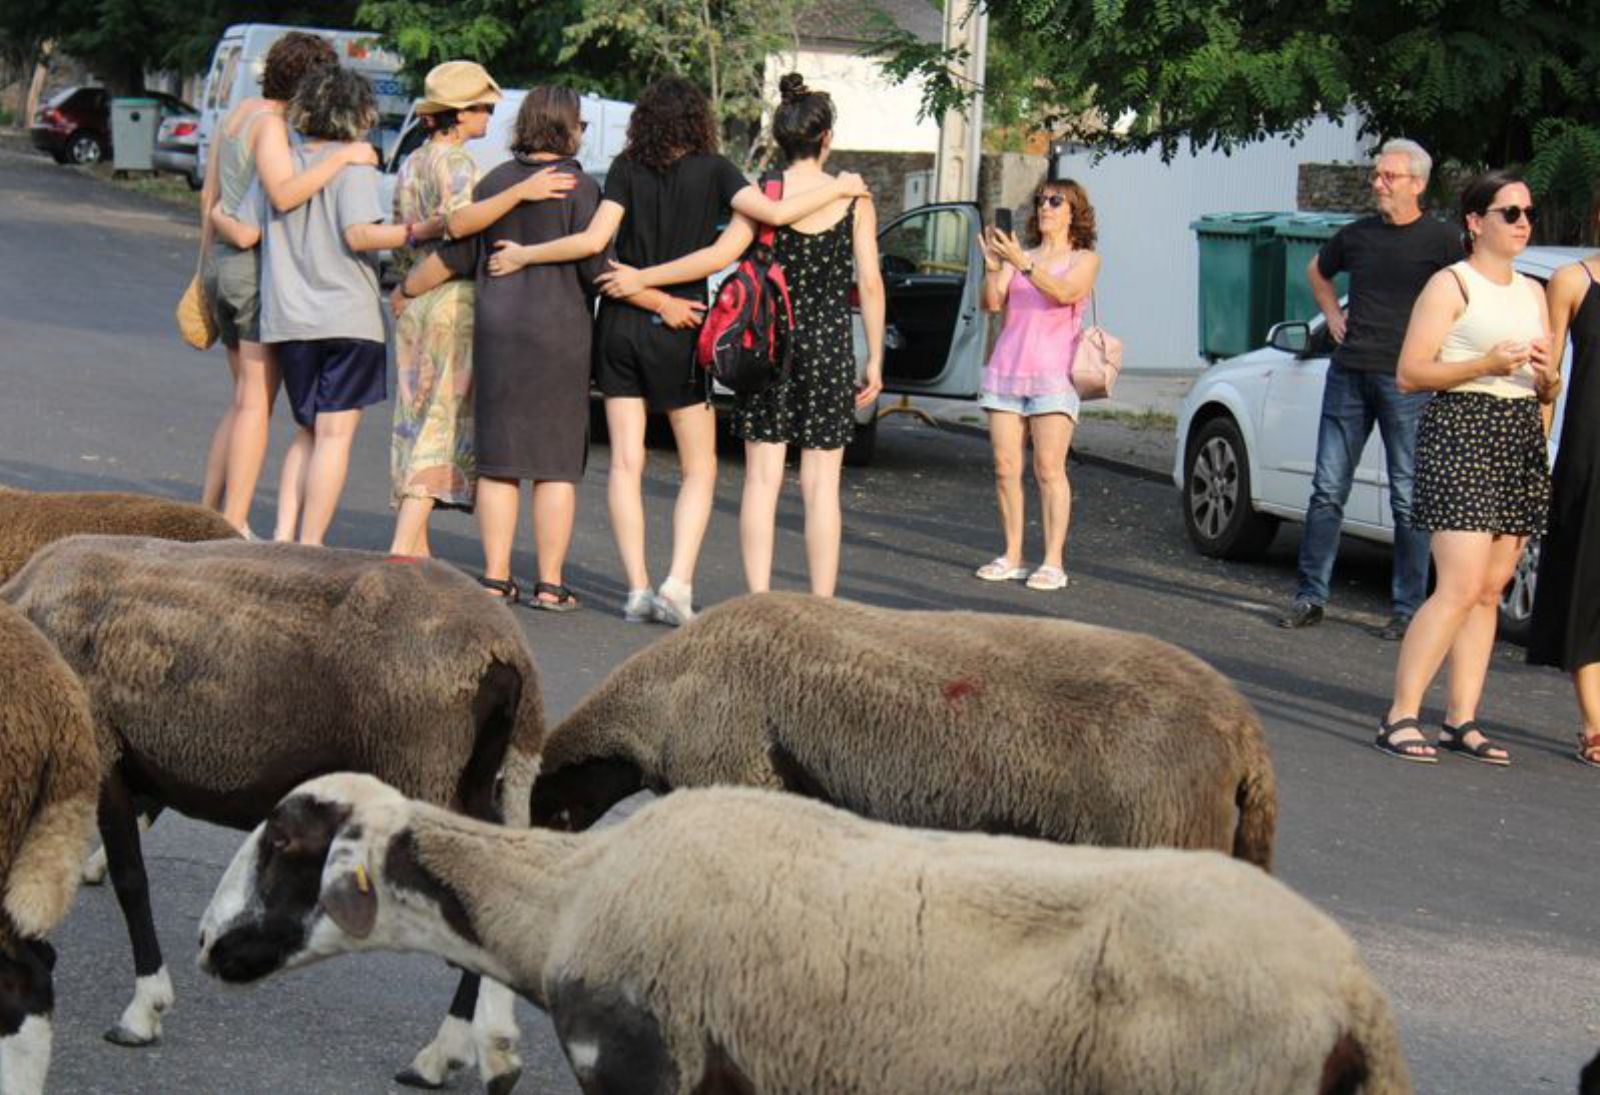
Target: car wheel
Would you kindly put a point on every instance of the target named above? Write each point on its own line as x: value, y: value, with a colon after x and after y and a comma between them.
x: 194, y: 181
x: 1216, y: 496
x: 863, y: 444
x: 85, y: 149
x: 1516, y: 601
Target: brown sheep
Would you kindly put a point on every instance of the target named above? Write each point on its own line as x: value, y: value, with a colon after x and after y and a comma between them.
x: 945, y: 720
x: 230, y: 672
x: 29, y: 520
x: 49, y: 781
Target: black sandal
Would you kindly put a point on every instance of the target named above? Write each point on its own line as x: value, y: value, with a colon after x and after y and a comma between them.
x: 1485, y: 750
x: 1404, y: 750
x: 565, y: 599
x: 507, y: 592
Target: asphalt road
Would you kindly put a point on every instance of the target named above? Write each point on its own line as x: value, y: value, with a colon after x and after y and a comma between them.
x: 1472, y: 890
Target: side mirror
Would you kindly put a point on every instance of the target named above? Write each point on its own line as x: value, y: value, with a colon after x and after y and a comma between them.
x: 1293, y: 337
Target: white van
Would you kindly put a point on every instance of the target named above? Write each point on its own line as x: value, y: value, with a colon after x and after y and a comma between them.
x: 241, y: 56
x: 602, y: 141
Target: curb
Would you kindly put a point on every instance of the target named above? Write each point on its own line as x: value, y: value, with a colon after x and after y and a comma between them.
x: 1077, y: 455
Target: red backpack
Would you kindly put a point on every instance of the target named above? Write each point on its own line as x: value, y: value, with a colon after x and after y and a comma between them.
x: 746, y: 340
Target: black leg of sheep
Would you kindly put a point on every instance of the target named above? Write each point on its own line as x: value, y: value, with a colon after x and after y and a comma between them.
x: 140, y: 1023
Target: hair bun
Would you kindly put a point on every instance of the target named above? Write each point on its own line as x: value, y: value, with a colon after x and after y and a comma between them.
x: 793, y: 87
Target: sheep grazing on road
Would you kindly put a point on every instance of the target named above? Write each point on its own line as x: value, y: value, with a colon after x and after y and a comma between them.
x: 29, y: 520
x: 228, y: 673
x: 49, y: 780
x: 737, y: 940
x: 945, y: 720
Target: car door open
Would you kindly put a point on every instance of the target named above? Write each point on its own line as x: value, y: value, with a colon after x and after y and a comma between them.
x: 935, y: 335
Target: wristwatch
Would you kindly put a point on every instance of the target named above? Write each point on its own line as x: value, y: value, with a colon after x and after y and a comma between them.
x: 1028, y: 273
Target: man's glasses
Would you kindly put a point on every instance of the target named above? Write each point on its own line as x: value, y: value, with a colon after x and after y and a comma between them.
x: 1054, y: 201
x: 1389, y: 178
x: 1513, y: 213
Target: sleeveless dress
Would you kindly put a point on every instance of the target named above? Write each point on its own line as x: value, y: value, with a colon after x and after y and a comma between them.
x: 814, y: 407
x: 431, y: 454
x: 1566, y: 608
x: 1482, y: 462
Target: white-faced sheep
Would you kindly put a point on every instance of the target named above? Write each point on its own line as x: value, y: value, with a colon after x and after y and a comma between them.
x: 738, y: 940
x: 946, y: 720
x: 228, y: 673
x: 29, y: 520
x: 49, y: 780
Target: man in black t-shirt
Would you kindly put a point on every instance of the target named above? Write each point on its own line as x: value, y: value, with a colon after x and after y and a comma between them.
x: 1389, y: 258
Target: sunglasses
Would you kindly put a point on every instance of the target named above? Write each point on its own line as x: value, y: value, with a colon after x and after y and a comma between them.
x: 583, y: 127
x: 1054, y: 201
x: 1513, y: 213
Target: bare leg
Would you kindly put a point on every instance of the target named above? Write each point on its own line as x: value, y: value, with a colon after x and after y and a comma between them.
x: 254, y: 392
x: 217, y: 455
x: 292, y: 485
x: 1586, y: 682
x: 555, y: 508
x: 1052, y: 437
x: 1007, y: 432
x: 1474, y: 644
x: 819, y: 487
x: 498, y: 502
x: 758, y: 511
x: 625, y: 422
x: 326, y: 471
x: 695, y: 430
x: 411, y: 527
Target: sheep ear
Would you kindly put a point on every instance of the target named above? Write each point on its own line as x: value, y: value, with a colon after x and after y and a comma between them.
x: 351, y: 902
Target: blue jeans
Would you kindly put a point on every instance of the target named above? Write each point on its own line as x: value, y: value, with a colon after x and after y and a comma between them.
x: 1351, y: 402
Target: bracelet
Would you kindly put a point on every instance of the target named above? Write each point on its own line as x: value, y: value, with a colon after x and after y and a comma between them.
x: 411, y: 235
x: 1028, y: 273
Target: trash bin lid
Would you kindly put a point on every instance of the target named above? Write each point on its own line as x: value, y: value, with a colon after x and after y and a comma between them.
x: 1236, y: 224
x: 1315, y: 226
x: 135, y: 101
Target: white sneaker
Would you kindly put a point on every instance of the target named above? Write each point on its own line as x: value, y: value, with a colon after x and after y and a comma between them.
x: 674, y: 603
x: 640, y: 607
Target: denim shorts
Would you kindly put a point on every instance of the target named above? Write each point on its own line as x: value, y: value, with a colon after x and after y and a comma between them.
x: 1030, y: 405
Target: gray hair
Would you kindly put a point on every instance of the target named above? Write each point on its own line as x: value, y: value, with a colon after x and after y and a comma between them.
x: 1421, y: 162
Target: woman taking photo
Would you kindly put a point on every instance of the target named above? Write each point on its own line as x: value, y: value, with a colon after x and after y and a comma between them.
x: 531, y: 345
x: 1566, y: 607
x: 822, y: 255
x: 666, y: 196
x: 252, y: 143
x: 1478, y: 336
x: 1027, y: 386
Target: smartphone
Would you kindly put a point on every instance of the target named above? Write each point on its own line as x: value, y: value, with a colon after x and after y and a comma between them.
x: 1002, y: 220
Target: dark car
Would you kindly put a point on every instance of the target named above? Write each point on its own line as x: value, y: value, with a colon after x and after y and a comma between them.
x: 74, y: 124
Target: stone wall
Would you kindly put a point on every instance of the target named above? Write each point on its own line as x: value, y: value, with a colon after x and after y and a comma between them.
x: 885, y: 173
x: 1334, y: 188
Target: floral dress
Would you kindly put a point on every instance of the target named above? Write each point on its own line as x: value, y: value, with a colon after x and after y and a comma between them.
x: 430, y: 455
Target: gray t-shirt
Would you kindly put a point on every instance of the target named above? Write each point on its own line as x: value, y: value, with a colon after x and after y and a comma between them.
x: 312, y: 285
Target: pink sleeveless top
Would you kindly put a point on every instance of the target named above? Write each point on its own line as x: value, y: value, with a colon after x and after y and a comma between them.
x: 1033, y: 355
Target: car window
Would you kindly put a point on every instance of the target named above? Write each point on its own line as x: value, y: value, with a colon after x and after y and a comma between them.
x: 410, y: 141
x: 227, y: 71
x: 935, y: 242
x: 61, y: 96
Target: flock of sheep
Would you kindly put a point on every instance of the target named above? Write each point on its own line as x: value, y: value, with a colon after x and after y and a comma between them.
x: 916, y: 914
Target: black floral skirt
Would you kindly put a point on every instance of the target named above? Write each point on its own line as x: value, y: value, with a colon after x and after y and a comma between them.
x: 1482, y: 466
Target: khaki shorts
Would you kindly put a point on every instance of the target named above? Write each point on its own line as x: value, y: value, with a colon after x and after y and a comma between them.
x: 232, y: 281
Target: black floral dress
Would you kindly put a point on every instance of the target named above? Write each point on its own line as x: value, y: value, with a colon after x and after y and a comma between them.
x: 814, y: 407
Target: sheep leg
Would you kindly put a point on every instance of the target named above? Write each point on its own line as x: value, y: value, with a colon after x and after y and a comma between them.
x: 94, y: 868
x: 495, y: 1029
x: 451, y: 1047
x: 25, y: 1057
x: 140, y: 1023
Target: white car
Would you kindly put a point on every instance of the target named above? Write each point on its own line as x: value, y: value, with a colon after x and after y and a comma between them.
x: 1247, y: 440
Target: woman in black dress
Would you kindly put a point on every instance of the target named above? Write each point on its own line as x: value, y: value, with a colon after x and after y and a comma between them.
x: 530, y: 349
x: 666, y: 195
x: 1566, y: 607
x: 813, y: 408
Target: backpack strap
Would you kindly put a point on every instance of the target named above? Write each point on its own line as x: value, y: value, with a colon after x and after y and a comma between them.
x: 772, y: 187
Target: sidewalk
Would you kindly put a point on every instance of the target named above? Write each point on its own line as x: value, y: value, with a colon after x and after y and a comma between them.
x: 1133, y: 433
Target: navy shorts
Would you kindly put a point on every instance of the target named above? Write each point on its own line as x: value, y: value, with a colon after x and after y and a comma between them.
x: 324, y: 375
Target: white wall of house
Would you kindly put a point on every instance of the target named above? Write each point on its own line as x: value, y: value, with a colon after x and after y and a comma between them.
x: 1150, y: 260
x: 874, y: 115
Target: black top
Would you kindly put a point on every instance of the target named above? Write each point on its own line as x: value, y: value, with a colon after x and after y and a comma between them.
x: 672, y: 213
x: 1388, y: 266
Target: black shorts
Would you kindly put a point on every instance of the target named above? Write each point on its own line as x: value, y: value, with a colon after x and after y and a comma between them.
x: 637, y: 357
x: 324, y: 375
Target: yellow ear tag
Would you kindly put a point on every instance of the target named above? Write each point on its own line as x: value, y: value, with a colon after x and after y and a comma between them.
x: 361, y: 879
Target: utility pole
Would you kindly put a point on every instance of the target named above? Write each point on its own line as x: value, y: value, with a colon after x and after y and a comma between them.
x: 955, y: 167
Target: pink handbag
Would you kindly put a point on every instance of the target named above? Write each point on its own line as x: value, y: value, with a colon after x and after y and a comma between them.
x: 1098, y: 359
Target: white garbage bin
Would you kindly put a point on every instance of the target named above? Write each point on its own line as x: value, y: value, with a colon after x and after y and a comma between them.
x: 133, y: 133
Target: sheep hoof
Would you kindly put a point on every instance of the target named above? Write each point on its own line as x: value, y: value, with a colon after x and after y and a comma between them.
x: 94, y: 868
x: 123, y: 1035
x: 410, y: 1077
x: 502, y: 1084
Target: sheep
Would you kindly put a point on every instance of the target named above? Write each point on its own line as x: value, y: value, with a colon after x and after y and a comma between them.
x: 229, y: 672
x: 733, y: 939
x: 49, y: 779
x: 946, y: 720
x: 29, y: 520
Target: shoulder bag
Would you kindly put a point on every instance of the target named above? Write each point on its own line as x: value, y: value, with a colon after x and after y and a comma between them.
x: 1097, y: 360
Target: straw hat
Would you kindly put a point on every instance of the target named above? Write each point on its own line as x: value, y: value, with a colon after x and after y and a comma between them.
x: 456, y: 85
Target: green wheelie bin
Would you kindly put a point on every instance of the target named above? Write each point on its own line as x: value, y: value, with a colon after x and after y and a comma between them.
x: 1241, y: 280
x: 1303, y: 236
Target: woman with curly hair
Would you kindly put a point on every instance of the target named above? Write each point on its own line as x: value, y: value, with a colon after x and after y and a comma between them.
x: 1027, y: 386
x: 666, y: 196
x: 253, y: 143
x: 320, y: 309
